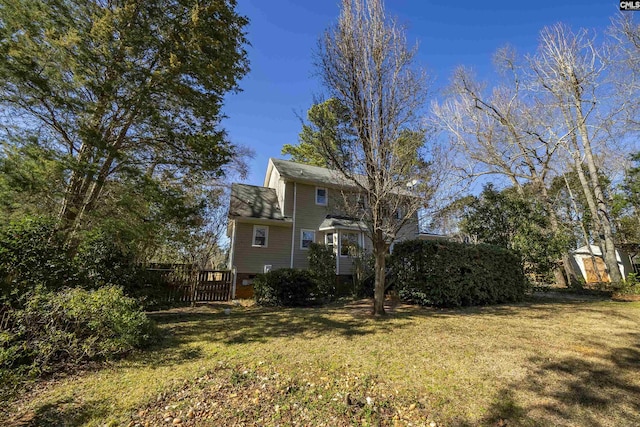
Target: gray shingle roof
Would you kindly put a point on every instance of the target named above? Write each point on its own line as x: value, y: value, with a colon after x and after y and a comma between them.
x: 302, y: 172
x: 250, y: 201
x: 317, y: 175
x: 340, y: 222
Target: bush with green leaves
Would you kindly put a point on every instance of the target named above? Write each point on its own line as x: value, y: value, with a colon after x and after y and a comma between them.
x: 451, y: 274
x: 70, y: 326
x: 287, y: 287
x: 631, y: 286
x: 322, y: 265
x: 364, y: 275
x: 105, y: 261
x: 32, y: 254
x: 520, y: 223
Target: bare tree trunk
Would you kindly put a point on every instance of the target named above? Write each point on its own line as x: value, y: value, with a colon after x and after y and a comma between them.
x: 571, y: 68
x: 608, y: 249
x: 366, y: 65
x: 380, y: 272
x: 582, y: 227
x: 562, y: 267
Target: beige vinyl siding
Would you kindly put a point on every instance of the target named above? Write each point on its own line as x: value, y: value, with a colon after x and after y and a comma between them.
x: 249, y: 259
x: 308, y: 217
x: 278, y: 184
x: 288, y: 199
x: 409, y: 231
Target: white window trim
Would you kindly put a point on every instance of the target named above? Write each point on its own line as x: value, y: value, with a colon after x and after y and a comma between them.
x: 326, y: 196
x: 302, y: 231
x: 358, y: 242
x: 333, y: 239
x: 266, y: 236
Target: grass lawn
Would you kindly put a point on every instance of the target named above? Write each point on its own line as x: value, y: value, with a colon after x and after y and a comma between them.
x: 565, y: 362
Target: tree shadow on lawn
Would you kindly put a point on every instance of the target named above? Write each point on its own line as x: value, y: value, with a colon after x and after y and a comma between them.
x: 64, y: 412
x: 180, y: 331
x: 572, y: 391
x: 350, y: 320
x: 262, y: 325
x: 537, y: 308
x: 256, y: 324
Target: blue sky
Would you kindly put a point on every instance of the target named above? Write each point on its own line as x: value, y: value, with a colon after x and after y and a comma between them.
x: 284, y: 33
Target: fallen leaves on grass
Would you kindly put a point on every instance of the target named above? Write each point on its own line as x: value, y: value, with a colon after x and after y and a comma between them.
x: 244, y: 396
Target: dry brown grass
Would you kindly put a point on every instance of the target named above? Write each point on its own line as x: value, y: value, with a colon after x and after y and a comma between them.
x: 567, y: 362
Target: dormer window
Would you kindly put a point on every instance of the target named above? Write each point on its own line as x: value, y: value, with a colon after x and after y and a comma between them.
x: 321, y: 196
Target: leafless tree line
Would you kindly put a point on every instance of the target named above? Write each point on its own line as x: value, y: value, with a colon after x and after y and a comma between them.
x: 570, y: 106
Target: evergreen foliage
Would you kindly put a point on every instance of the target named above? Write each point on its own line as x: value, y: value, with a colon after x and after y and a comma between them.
x: 322, y: 265
x: 287, y: 287
x: 328, y: 123
x: 519, y: 223
x: 451, y: 274
x: 118, y: 93
x: 58, y: 329
x: 32, y: 254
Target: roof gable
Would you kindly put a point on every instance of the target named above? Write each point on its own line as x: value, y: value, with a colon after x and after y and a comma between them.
x: 307, y: 173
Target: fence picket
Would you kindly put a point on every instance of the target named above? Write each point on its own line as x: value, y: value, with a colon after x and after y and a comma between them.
x: 187, y: 285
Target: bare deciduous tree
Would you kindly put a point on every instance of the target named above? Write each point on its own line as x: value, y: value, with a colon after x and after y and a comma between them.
x: 365, y: 64
x: 625, y: 68
x: 502, y: 132
x: 570, y: 70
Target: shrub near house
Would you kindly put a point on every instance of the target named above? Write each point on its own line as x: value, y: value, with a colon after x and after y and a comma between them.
x: 286, y: 287
x: 450, y: 274
x: 59, y: 311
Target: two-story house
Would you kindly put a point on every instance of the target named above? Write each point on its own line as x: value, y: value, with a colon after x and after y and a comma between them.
x: 271, y: 227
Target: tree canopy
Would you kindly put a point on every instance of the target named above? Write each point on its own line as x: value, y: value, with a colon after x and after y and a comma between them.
x: 119, y: 93
x: 328, y: 123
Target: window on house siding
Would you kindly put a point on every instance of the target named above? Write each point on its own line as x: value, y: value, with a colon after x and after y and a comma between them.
x: 361, y: 202
x: 307, y: 237
x: 349, y: 243
x: 329, y: 240
x: 321, y: 196
x: 260, y: 236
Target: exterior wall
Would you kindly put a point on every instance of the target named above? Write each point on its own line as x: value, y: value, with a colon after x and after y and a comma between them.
x: 277, y: 183
x: 287, y: 210
x: 244, y: 287
x: 345, y: 262
x: 409, y: 231
x: 308, y: 217
x: 251, y: 260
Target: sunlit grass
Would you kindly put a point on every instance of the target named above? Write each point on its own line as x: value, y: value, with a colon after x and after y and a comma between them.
x: 542, y: 363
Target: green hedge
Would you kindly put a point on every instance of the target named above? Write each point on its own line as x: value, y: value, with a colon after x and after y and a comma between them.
x: 322, y: 265
x: 32, y: 255
x: 63, y: 328
x: 451, y: 274
x: 287, y: 287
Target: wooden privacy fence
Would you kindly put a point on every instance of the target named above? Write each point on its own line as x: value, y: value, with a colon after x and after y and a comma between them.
x: 213, y: 285
x: 184, y: 284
